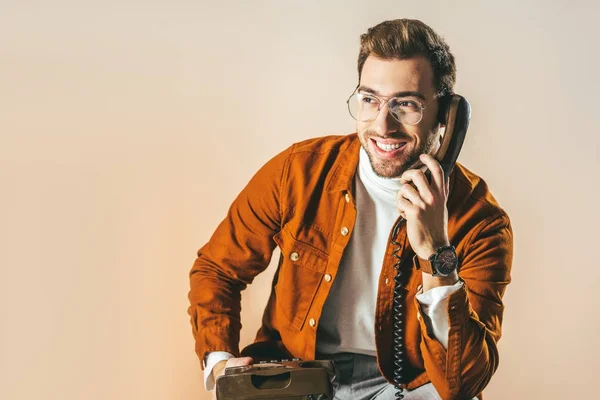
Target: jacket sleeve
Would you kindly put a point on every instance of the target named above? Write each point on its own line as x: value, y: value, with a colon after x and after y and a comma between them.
x: 240, y: 248
x: 474, y: 315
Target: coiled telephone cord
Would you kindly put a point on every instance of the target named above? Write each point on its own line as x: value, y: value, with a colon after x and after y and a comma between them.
x: 398, y: 338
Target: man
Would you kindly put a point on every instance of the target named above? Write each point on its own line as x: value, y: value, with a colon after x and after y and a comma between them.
x: 330, y: 205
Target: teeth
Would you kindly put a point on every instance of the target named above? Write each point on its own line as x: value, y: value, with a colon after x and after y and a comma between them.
x: 389, y: 147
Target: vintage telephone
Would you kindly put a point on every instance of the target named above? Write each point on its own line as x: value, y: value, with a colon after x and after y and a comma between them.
x: 280, y: 378
x: 455, y: 113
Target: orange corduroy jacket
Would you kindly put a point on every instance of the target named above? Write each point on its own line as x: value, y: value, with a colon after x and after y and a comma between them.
x: 302, y: 201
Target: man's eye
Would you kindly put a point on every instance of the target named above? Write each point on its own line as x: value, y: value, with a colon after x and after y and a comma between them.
x: 369, y: 100
x: 407, y: 105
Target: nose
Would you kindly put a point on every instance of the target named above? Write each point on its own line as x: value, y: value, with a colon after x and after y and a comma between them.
x: 385, y: 123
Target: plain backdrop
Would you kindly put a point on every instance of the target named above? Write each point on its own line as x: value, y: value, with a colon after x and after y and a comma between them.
x: 128, y: 127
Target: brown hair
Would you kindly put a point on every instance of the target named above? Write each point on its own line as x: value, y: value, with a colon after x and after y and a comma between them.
x: 406, y: 38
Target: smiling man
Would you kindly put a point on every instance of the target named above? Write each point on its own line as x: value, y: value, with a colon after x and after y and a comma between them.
x: 346, y: 213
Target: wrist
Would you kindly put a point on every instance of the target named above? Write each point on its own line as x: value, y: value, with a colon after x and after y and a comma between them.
x: 430, y: 281
x: 431, y: 249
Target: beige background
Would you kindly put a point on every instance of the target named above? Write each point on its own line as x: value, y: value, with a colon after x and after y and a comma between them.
x: 127, y: 128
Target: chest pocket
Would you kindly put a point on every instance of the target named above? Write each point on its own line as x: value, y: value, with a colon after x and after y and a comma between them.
x: 301, y: 270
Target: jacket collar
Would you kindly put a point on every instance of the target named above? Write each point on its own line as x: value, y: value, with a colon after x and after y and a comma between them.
x: 345, y: 167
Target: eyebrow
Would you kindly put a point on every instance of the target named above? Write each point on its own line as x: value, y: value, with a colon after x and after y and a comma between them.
x: 397, y: 94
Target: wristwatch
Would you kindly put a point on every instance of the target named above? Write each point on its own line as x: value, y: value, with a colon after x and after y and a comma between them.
x: 441, y: 263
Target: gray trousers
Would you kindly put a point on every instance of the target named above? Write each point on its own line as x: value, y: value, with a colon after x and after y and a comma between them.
x: 358, y: 378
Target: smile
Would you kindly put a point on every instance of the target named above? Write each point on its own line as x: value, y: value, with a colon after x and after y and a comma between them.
x: 387, y: 148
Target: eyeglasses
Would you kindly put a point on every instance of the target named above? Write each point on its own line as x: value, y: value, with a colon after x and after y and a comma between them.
x: 365, y: 107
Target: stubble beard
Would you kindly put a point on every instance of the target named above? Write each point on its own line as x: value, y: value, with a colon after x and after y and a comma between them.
x: 395, y: 168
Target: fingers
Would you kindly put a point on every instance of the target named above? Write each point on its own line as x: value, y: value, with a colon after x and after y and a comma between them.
x: 238, y: 362
x: 219, y: 368
x: 428, y: 190
x: 410, y: 193
x: 405, y: 207
x: 417, y: 177
x: 232, y: 362
x: 437, y: 173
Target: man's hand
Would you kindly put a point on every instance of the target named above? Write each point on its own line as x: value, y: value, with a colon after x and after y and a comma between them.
x: 219, y: 369
x: 426, y: 214
x: 424, y: 208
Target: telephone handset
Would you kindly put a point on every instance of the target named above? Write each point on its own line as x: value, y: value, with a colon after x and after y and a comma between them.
x: 454, y: 112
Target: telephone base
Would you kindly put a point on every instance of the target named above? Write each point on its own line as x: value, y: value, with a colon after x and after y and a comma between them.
x: 278, y: 380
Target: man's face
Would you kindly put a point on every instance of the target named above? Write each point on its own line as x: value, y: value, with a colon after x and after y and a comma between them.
x: 411, y: 79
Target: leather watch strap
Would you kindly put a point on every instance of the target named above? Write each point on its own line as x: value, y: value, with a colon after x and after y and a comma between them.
x: 423, y: 265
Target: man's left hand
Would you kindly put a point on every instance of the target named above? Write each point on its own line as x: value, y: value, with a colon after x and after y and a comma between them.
x: 424, y: 208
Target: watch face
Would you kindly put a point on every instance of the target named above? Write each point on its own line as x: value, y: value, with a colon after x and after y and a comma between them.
x: 446, y: 262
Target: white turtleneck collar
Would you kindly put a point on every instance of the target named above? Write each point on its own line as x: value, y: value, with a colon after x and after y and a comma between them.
x: 370, y: 178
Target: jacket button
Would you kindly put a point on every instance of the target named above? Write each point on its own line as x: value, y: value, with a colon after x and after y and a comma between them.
x: 312, y: 322
x: 294, y: 256
x: 345, y: 231
x: 387, y: 280
x: 327, y: 278
x: 347, y: 197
